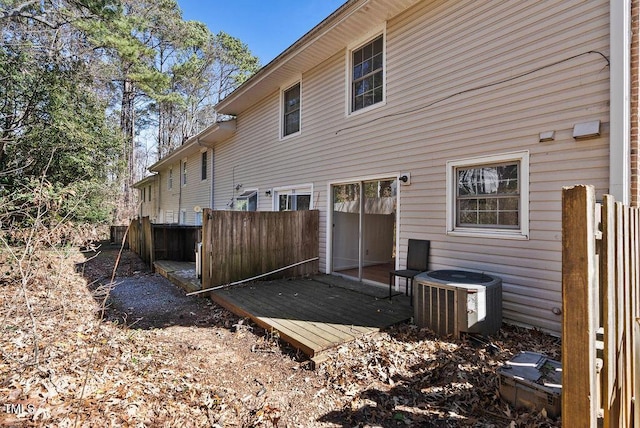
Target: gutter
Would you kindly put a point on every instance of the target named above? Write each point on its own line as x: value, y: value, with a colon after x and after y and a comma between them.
x: 620, y: 97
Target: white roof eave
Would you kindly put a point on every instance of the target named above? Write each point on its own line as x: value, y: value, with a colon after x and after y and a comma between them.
x: 208, y: 137
x: 325, y: 40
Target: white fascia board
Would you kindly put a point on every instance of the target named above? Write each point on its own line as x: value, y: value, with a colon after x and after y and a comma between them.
x: 206, y: 138
x: 620, y: 100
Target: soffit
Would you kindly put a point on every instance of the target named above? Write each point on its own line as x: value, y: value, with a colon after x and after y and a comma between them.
x: 350, y: 22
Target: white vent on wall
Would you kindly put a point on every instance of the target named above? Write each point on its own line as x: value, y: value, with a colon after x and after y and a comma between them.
x: 586, y: 130
x: 453, y: 301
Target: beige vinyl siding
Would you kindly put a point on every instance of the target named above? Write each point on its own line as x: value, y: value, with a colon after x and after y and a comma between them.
x: 196, y: 192
x: 149, y: 208
x: 169, y: 198
x: 437, y: 52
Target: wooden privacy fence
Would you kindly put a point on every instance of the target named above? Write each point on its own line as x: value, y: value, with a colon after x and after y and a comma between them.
x: 141, y: 239
x: 237, y: 245
x: 163, y: 241
x: 116, y: 234
x: 175, y: 242
x: 601, y: 311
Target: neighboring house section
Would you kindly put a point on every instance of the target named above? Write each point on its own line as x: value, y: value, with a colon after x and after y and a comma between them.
x: 148, y: 197
x: 184, y: 178
x: 456, y: 122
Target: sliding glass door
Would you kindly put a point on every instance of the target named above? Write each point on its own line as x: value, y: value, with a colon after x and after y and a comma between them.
x: 364, y: 227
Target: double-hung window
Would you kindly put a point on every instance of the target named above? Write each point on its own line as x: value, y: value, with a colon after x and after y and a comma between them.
x: 489, y: 196
x: 294, y: 198
x: 203, y: 167
x: 184, y: 172
x: 294, y: 201
x: 367, y: 74
x: 291, y: 110
x: 170, y: 179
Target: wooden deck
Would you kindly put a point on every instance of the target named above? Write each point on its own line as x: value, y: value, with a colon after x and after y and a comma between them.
x: 183, y: 274
x: 316, y: 314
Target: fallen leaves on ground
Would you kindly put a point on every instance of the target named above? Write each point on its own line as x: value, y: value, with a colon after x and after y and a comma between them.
x: 69, y: 361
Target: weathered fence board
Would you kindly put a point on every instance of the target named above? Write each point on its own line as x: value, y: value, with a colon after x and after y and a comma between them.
x: 117, y: 234
x: 134, y: 236
x: 237, y: 245
x: 163, y: 241
x: 175, y: 242
x: 607, y: 302
x: 578, y: 331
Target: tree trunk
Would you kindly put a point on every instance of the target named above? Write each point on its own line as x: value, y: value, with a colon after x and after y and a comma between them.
x: 127, y: 118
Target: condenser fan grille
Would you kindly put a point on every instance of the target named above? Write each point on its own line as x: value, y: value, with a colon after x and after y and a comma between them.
x: 461, y: 276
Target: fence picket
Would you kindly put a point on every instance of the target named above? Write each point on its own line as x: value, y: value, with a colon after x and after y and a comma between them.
x: 608, y: 302
x: 618, y: 287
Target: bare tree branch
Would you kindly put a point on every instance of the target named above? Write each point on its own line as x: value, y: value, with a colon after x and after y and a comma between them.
x: 22, y: 12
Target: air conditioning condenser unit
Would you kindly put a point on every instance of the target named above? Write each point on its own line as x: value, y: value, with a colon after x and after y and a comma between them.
x: 451, y: 302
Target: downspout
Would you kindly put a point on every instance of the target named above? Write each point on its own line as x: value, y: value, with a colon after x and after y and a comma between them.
x: 212, y: 178
x: 159, y: 200
x: 180, y: 166
x: 619, y: 94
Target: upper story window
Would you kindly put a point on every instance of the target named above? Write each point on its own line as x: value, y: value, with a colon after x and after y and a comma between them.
x: 367, y: 74
x: 204, y: 166
x: 149, y: 194
x: 489, y: 196
x: 291, y: 110
x: 170, y: 179
x: 184, y: 172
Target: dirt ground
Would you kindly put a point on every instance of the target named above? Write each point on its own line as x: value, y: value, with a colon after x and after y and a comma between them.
x: 136, y: 351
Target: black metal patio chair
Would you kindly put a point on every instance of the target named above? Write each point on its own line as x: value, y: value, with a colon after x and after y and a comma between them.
x: 417, y: 262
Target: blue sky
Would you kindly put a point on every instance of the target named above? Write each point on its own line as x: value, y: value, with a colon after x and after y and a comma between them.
x: 268, y: 27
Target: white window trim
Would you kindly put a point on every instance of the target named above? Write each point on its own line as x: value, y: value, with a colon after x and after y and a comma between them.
x: 302, y: 188
x: 369, y: 37
x: 204, y: 152
x: 523, y: 231
x: 170, y: 179
x: 283, y: 89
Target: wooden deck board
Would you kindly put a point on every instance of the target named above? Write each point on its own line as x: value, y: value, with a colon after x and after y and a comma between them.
x: 313, y: 315
x: 330, y: 332
x: 331, y: 305
x: 182, y: 274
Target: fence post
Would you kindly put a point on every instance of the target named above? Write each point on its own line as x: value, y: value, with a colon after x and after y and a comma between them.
x: 579, y: 308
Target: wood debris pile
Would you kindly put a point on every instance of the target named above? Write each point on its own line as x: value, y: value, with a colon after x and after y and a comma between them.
x: 67, y: 360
